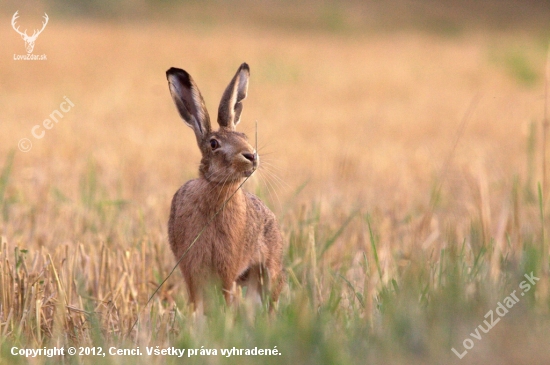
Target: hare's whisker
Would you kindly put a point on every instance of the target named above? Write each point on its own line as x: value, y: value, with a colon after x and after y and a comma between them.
x: 270, y: 188
x: 283, y: 184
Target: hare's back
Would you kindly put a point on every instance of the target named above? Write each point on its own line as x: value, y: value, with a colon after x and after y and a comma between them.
x: 257, y: 209
x: 261, y: 220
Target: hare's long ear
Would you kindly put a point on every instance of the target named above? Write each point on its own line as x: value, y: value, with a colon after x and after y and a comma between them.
x: 189, y: 101
x: 229, y: 112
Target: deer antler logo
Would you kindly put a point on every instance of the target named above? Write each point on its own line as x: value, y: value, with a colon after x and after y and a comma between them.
x: 29, y: 41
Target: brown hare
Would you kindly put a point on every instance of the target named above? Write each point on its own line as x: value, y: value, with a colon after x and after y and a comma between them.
x: 242, y: 245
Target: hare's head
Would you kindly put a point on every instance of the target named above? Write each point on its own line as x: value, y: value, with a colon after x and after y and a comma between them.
x: 226, y: 154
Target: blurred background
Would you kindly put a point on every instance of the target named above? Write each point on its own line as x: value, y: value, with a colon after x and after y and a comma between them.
x: 366, y: 94
x: 391, y: 107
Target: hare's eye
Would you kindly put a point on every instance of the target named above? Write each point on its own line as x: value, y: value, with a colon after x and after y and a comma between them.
x: 214, y: 144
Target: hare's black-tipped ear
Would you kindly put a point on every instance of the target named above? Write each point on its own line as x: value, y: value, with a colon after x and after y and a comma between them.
x: 229, y: 112
x: 189, y: 101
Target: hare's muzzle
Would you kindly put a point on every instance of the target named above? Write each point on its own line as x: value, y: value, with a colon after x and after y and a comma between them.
x: 253, y: 159
x: 250, y: 157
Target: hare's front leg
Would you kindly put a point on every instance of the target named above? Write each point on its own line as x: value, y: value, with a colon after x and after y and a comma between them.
x: 257, y: 284
x: 229, y: 288
x: 196, y: 296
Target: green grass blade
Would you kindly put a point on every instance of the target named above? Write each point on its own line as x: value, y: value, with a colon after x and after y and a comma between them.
x: 338, y: 233
x: 373, y: 245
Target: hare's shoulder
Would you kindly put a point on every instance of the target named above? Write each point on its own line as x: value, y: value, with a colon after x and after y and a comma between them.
x: 188, y: 193
x: 190, y: 188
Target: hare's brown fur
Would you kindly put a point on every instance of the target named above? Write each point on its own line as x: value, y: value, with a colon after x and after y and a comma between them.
x: 242, y: 244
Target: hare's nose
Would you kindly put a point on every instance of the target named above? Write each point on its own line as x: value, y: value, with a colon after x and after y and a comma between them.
x: 250, y: 156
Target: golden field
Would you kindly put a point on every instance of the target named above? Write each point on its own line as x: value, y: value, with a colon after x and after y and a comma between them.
x: 384, y: 152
